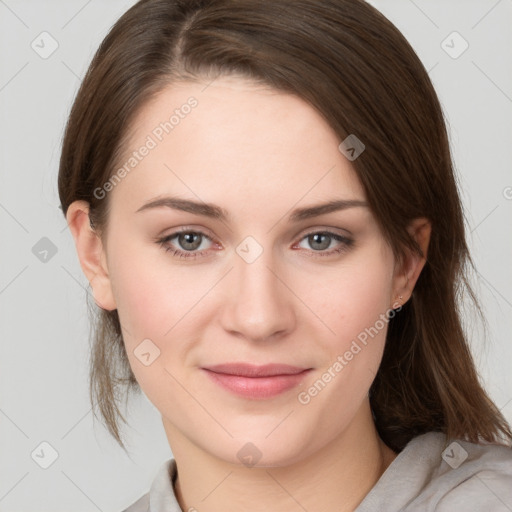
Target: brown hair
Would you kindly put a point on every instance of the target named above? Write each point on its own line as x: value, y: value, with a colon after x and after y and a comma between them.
x: 358, y: 71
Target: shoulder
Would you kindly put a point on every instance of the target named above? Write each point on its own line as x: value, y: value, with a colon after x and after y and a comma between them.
x: 161, y: 494
x: 433, y: 474
x: 475, y: 475
x: 141, y: 505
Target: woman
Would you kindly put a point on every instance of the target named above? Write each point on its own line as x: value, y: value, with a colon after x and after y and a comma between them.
x: 262, y: 198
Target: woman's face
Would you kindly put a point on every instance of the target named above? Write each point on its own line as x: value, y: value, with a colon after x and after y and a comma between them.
x: 263, y: 284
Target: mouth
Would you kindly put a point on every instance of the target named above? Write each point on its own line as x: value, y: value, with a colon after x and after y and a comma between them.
x: 256, y: 382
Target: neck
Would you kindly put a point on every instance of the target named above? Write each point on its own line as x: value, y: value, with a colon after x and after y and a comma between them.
x: 335, y: 478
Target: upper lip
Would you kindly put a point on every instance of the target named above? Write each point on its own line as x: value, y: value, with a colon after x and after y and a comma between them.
x: 252, y: 370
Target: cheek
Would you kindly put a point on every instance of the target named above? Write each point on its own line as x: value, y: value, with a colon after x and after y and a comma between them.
x: 156, y: 301
x: 151, y: 295
x: 151, y: 301
x: 355, y: 305
x: 140, y: 301
x: 353, y: 297
x: 356, y: 312
x: 369, y: 296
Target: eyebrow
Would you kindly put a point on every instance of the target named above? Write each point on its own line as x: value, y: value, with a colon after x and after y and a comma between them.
x: 216, y: 212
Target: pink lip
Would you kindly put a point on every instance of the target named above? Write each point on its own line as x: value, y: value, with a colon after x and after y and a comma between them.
x: 257, y: 382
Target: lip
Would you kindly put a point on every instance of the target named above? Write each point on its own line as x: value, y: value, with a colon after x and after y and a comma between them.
x: 256, y: 382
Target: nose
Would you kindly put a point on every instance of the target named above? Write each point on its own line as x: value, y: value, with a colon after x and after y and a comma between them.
x: 258, y: 304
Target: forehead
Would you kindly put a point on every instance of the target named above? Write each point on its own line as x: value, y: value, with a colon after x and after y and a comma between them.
x: 214, y: 139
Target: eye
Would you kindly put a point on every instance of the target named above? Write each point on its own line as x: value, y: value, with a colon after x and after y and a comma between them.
x: 319, y: 241
x: 187, y: 243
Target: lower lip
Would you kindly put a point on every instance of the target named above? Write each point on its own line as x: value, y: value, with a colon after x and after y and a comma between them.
x: 257, y: 387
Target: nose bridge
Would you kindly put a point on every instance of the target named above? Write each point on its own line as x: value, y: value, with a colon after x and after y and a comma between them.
x: 260, y: 305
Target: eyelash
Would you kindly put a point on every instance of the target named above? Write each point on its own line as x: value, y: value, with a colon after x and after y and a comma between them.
x: 346, y: 243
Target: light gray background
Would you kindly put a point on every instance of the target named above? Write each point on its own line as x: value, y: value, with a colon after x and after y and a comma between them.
x: 44, y: 324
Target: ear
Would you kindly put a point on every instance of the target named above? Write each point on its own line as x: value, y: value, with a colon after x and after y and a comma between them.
x: 408, y: 272
x: 89, y: 248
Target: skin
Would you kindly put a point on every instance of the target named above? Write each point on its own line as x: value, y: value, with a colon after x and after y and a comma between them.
x: 259, y: 154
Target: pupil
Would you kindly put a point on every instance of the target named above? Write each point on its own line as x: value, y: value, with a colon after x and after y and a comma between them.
x: 316, y: 238
x: 190, y: 241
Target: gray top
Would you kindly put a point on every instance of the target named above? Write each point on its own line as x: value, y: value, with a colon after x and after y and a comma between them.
x: 427, y: 475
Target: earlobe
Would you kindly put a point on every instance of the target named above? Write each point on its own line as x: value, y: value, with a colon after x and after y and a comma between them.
x: 90, y: 253
x: 406, y: 276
